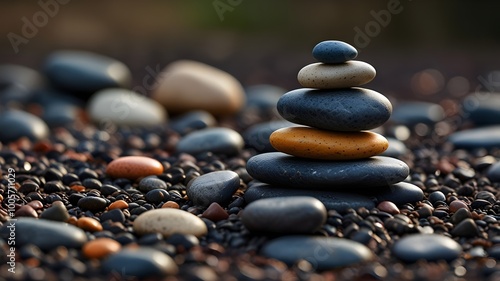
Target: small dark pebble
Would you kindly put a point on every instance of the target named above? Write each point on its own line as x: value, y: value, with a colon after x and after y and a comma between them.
x: 92, y: 203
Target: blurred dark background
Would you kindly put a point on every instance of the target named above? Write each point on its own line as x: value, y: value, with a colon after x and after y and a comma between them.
x: 426, y: 50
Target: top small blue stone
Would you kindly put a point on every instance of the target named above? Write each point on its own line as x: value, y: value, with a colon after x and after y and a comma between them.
x: 334, y: 52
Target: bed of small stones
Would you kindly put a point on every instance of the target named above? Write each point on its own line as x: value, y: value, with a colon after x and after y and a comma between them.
x: 46, y: 174
x: 84, y: 214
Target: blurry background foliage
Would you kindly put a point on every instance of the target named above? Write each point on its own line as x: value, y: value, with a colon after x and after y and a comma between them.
x: 268, y: 41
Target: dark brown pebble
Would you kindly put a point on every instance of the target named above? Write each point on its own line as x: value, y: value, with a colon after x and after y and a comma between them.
x: 215, y: 213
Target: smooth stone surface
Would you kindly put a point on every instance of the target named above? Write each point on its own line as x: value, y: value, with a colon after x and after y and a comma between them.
x: 133, y: 167
x: 189, y: 85
x: 482, y: 108
x: 83, y: 73
x: 334, y: 76
x: 100, y: 248
x: 92, y: 203
x: 493, y: 173
x: 18, y: 83
x: 192, y: 121
x: 61, y: 114
x: 213, y: 187
x: 399, y: 193
x: 286, y: 215
x: 168, y: 221
x: 484, y: 137
x: 263, y: 97
x: 56, y: 212
x: 282, y: 169
x: 46, y: 235
x: 321, y: 252
x: 140, y: 262
x: 16, y: 124
x: 412, y: 113
x: 429, y: 247
x: 396, y: 148
x: 333, y: 51
x: 354, y: 109
x: 216, y: 140
x: 123, y: 107
x: 333, y: 200
x: 314, y: 143
x: 257, y: 136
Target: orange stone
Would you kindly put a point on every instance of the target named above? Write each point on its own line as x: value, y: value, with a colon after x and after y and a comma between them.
x: 77, y: 187
x: 133, y: 167
x: 89, y: 224
x: 118, y: 204
x: 170, y: 204
x: 73, y: 220
x: 314, y: 143
x: 100, y: 248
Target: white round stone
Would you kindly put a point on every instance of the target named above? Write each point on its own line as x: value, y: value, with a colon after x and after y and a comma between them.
x: 330, y: 76
x: 168, y: 221
x: 124, y: 107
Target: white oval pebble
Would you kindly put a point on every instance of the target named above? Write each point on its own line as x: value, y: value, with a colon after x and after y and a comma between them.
x: 169, y: 221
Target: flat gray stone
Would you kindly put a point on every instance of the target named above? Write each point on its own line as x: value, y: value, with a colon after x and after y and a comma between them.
x: 216, y: 186
x: 321, y: 252
x: 485, y: 137
x: 215, y: 140
x: 45, y: 234
x: 284, y: 170
x: 140, y: 262
x: 286, y: 215
x: 429, y: 247
x: 333, y: 200
x: 16, y: 124
x: 350, y: 109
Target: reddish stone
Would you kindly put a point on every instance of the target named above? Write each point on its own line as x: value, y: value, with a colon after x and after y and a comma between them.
x: 215, y: 213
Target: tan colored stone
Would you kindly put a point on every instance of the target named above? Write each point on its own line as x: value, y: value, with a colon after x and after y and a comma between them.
x: 168, y: 221
x: 314, y: 143
x: 332, y: 76
x: 189, y: 85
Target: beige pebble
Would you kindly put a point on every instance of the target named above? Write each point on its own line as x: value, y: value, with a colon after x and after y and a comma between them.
x: 331, y: 76
x: 168, y: 221
x: 189, y: 85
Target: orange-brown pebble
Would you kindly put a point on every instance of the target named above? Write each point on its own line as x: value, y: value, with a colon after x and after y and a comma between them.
x: 73, y: 220
x: 36, y: 204
x: 456, y: 205
x: 1, y: 198
x: 78, y: 187
x: 170, y: 204
x: 133, y: 167
x: 388, y: 207
x: 215, y: 213
x: 89, y: 224
x: 314, y: 143
x: 100, y: 248
x: 118, y: 204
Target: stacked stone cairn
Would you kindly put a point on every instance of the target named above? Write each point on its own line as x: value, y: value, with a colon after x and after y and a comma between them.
x: 331, y: 154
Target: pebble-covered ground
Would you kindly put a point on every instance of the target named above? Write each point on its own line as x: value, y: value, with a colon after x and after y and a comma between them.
x: 89, y: 193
